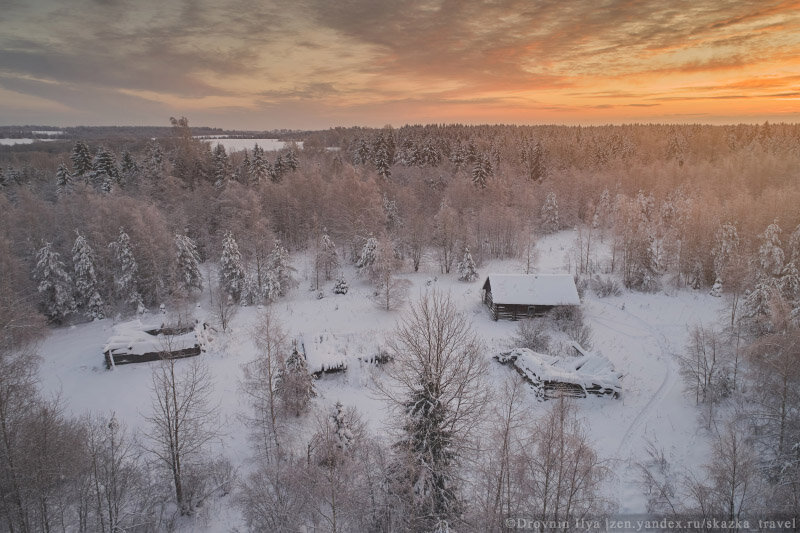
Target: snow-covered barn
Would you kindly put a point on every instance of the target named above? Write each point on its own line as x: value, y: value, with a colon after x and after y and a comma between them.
x: 555, y: 376
x: 134, y: 342
x: 516, y: 296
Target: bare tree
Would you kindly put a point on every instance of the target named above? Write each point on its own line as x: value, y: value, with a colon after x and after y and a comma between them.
x: 115, y: 481
x: 706, y: 368
x: 776, y: 378
x: 436, y: 387
x: 273, y: 497
x: 496, y: 493
x: 223, y: 307
x: 182, y: 423
x: 20, y: 326
x: 337, y: 478
x: 260, y: 384
x: 560, y: 474
x: 390, y: 291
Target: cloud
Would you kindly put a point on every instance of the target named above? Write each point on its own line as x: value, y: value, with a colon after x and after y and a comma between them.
x: 360, y: 56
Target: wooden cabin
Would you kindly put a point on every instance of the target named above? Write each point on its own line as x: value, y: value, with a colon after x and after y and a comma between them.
x: 134, y: 342
x: 580, y: 376
x: 515, y: 296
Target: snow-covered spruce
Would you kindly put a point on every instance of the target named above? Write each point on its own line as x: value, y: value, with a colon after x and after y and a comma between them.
x: 63, y: 180
x: 189, y: 276
x: 368, y: 255
x: 549, y: 215
x: 231, y: 272
x: 466, y: 267
x: 126, y: 278
x: 295, y: 385
x: 55, y: 284
x: 341, y: 286
x: 87, y: 294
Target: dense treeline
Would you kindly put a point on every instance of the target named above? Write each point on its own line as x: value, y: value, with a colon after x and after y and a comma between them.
x: 662, y: 193
x: 114, y: 226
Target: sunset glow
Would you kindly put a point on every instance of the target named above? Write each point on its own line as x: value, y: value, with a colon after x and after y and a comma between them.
x: 314, y: 64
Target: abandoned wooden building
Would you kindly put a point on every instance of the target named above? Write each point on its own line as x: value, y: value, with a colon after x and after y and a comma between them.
x: 515, y: 296
x: 580, y: 376
x: 134, y: 342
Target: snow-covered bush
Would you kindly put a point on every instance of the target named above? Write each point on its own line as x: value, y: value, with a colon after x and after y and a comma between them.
x: 531, y: 334
x: 605, y: 286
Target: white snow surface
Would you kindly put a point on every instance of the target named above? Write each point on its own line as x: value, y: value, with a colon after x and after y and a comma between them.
x: 533, y: 289
x: 11, y: 142
x: 639, y: 333
x: 237, y: 145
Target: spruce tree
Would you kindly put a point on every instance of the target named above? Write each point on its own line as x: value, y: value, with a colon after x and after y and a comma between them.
x: 278, y: 170
x: 533, y: 157
x: 126, y: 279
x: 128, y: 167
x: 81, y: 161
x: 105, y: 173
x: 290, y: 160
x: 368, y: 255
x: 86, y: 284
x: 63, y: 180
x: 154, y: 161
x: 341, y: 426
x: 295, y: 386
x: 259, y: 166
x: 245, y: 169
x: 341, y: 286
x: 327, y: 258
x: 481, y: 170
x: 55, y: 284
x: 221, y: 166
x: 231, y: 274
x: 382, y: 159
x: 466, y: 267
x: 550, y: 219
x: 279, y: 270
x: 189, y: 276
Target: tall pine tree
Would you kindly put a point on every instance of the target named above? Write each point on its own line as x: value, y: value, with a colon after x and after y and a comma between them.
x: 550, y: 219
x: 466, y: 267
x: 86, y: 285
x: 126, y: 279
x: 231, y: 273
x: 63, y: 180
x: 81, y: 159
x: 189, y: 276
x: 55, y: 284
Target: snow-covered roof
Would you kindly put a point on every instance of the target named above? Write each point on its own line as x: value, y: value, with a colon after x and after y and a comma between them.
x: 532, y: 289
x: 133, y: 338
x: 588, y: 370
x: 323, y: 353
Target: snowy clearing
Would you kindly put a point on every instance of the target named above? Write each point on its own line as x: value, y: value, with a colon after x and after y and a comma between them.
x: 638, y: 333
x: 237, y: 145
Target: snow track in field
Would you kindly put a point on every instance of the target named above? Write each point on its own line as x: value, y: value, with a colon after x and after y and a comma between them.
x: 638, y: 330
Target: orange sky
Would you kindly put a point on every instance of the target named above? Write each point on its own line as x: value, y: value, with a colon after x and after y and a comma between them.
x: 317, y: 63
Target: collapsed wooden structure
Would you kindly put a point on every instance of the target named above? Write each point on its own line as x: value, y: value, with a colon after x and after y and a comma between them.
x: 515, y: 296
x: 567, y: 376
x: 134, y: 342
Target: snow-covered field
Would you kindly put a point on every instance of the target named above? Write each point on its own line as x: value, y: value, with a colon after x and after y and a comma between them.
x: 11, y: 142
x: 638, y: 333
x: 236, y: 145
